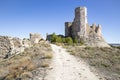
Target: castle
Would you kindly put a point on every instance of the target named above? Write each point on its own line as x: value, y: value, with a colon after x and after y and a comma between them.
x: 79, y: 27
x: 81, y: 30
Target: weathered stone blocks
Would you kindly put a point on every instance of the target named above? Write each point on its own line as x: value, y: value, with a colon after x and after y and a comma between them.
x: 35, y: 38
x: 80, y: 28
x: 13, y: 45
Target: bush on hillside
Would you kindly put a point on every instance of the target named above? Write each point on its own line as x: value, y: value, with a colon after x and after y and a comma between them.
x: 75, y: 40
x: 69, y: 40
x: 53, y: 37
x: 58, y: 39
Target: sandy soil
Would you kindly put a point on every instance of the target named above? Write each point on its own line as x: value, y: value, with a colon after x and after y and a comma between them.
x: 66, y: 67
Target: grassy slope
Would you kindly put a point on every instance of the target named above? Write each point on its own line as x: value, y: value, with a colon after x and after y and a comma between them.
x: 21, y: 66
x: 107, y: 60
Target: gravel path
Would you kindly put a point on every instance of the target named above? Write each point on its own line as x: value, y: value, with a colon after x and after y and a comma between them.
x: 66, y: 67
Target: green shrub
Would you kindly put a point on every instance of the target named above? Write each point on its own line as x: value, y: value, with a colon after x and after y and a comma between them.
x: 75, y: 40
x: 69, y: 40
x: 59, y: 39
x: 53, y: 37
x: 63, y: 40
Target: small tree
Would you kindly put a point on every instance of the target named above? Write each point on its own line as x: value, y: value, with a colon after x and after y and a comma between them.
x: 59, y: 39
x: 53, y: 37
x: 75, y: 40
x: 69, y: 40
x: 63, y: 40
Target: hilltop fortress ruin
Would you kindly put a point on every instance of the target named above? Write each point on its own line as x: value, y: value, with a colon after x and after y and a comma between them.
x: 81, y: 30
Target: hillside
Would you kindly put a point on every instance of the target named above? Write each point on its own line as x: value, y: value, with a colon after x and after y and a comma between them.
x: 105, y: 60
x: 24, y: 65
x: 37, y: 59
x: 67, y: 67
x: 20, y: 59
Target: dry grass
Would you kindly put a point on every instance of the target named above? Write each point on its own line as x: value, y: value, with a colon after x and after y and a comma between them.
x: 59, y: 44
x: 21, y: 65
x: 26, y: 75
x: 104, y: 59
x: 45, y: 64
x: 48, y: 55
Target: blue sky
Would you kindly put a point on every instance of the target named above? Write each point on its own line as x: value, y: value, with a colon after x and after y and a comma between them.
x: 20, y: 17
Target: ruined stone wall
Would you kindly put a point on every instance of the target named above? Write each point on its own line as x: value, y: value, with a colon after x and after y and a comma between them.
x: 12, y: 45
x: 80, y: 28
x: 5, y: 46
x: 77, y: 28
x: 96, y: 29
x: 80, y: 21
x: 35, y: 38
x: 68, y: 26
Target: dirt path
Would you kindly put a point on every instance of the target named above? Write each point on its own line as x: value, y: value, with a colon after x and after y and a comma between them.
x: 66, y: 67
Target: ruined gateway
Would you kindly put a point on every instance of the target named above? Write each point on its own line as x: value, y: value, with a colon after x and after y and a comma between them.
x: 81, y: 30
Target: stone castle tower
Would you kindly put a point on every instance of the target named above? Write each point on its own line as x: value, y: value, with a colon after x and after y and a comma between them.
x: 80, y: 28
x: 80, y: 21
x: 77, y: 28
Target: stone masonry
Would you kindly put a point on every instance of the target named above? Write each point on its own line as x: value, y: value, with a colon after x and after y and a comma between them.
x: 35, y: 38
x: 12, y: 45
x: 80, y: 28
x: 77, y: 28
